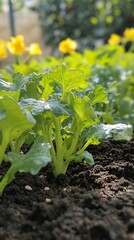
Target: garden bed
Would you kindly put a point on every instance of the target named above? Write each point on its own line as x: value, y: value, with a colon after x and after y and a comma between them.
x: 88, y: 203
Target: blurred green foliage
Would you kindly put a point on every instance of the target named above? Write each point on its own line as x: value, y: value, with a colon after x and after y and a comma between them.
x: 90, y: 22
x: 108, y: 66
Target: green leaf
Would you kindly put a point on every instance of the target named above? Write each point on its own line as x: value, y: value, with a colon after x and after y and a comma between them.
x: 59, y: 108
x: 19, y: 81
x: 70, y: 79
x: 27, y: 67
x: 13, y: 122
x: 118, y: 131
x: 109, y: 54
x: 94, y: 133
x: 16, y: 120
x: 84, y: 111
x: 108, y: 118
x: 85, y: 156
x: 39, y: 106
x: 28, y: 85
x: 6, y: 86
x: 37, y: 157
x: 47, y: 88
x: 90, y: 56
x: 98, y: 95
x: 14, y: 95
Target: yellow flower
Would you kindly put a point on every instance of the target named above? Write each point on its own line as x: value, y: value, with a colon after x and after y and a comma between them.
x: 16, y: 46
x: 68, y: 46
x: 114, y: 39
x: 128, y: 35
x: 34, y: 49
x: 3, y: 49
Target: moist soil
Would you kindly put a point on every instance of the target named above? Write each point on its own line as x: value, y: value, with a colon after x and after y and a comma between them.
x: 88, y: 203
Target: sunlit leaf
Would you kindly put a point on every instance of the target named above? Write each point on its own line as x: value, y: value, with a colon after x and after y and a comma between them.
x: 70, y: 79
x: 99, y: 95
x: 14, y: 122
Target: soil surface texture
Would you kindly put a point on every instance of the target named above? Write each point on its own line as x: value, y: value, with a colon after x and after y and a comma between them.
x: 88, y: 203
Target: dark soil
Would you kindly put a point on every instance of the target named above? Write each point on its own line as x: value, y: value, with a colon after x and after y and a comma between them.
x: 88, y: 203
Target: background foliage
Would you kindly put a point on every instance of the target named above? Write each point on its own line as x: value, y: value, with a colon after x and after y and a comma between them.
x: 85, y: 21
x: 90, y: 22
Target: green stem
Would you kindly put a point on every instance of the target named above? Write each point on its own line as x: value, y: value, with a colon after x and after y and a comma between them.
x: 26, y: 59
x: 74, y: 142
x: 8, y: 177
x: 63, y: 97
x: 131, y: 48
x: 5, y: 158
x: 12, y: 146
x: 60, y: 168
x: 19, y: 142
x: 3, y: 146
x: 84, y: 147
x: 44, y: 130
x: 58, y: 138
x: 17, y: 60
x: 60, y: 164
x: 48, y: 138
x: 52, y: 150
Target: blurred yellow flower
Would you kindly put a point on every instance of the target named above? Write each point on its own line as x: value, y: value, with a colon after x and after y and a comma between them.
x: 34, y: 49
x: 68, y: 46
x: 128, y: 35
x: 114, y: 39
x: 3, y: 49
x: 16, y: 46
x: 93, y: 20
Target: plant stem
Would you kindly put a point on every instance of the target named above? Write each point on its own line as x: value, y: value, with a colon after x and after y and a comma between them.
x: 84, y: 147
x: 74, y: 141
x: 52, y: 150
x: 48, y: 138
x: 131, y: 48
x: 8, y: 177
x: 60, y: 164
x: 12, y: 146
x: 19, y: 142
x: 3, y: 146
x: 58, y: 138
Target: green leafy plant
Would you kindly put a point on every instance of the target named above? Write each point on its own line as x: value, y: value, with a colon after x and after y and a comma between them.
x: 53, y: 119
x: 63, y: 117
